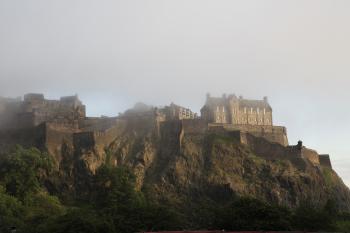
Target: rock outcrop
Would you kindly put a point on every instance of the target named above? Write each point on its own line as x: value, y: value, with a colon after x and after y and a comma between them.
x: 178, y: 164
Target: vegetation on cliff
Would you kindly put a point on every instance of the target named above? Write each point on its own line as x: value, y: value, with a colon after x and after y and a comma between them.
x: 115, y: 205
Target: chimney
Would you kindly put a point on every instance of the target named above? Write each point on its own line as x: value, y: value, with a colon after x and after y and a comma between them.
x: 208, y: 95
x: 265, y: 99
x: 300, y: 145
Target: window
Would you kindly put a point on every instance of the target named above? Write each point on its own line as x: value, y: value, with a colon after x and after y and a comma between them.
x: 264, y: 111
x: 251, y: 110
x: 245, y: 110
x: 223, y: 109
x: 217, y: 108
x: 257, y: 110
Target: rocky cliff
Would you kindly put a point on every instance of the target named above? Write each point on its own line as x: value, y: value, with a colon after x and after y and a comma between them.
x: 176, y: 165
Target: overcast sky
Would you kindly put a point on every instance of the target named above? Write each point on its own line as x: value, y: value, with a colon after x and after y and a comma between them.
x: 115, y: 53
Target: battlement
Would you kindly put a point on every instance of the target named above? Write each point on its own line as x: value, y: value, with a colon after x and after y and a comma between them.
x: 275, y: 134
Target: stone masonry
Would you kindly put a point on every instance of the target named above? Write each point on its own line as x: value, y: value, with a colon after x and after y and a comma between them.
x: 53, y: 124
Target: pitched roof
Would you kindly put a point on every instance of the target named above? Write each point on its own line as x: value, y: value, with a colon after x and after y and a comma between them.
x: 219, y: 101
x: 216, y: 101
x: 254, y: 104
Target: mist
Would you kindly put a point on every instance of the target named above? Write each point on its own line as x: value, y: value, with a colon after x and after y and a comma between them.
x: 116, y: 53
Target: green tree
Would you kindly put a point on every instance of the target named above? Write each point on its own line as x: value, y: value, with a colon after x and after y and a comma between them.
x: 116, y: 198
x: 309, y: 217
x: 11, y: 212
x: 40, y: 208
x: 78, y: 220
x: 21, y: 169
x: 253, y: 214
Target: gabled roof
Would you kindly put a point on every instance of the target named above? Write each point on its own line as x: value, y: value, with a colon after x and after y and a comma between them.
x: 216, y: 101
x: 254, y: 104
x: 220, y: 101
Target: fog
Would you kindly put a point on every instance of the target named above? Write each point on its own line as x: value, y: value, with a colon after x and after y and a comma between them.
x: 116, y: 53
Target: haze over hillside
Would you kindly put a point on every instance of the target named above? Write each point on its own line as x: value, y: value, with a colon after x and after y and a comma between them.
x: 115, y: 53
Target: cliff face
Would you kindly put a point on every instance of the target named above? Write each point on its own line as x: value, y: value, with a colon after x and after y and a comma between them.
x: 176, y: 165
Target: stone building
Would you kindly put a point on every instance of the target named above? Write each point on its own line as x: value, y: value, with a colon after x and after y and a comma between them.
x: 176, y: 112
x: 34, y: 109
x: 237, y: 111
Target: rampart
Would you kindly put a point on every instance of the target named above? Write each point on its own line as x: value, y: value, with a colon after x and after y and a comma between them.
x: 298, y: 154
x: 276, y: 134
x: 311, y: 155
x: 325, y: 161
x: 56, y: 139
x: 194, y: 125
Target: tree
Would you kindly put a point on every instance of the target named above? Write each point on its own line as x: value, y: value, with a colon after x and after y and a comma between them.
x: 309, y: 217
x: 78, y: 220
x: 252, y: 214
x: 20, y: 170
x: 11, y: 212
x: 116, y: 198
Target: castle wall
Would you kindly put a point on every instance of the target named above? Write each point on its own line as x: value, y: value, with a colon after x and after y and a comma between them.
x: 34, y: 110
x: 105, y: 138
x: 194, y: 126
x: 311, y: 155
x: 276, y: 134
x: 84, y: 141
x: 325, y: 161
x: 274, y: 151
x: 56, y: 139
x: 97, y: 123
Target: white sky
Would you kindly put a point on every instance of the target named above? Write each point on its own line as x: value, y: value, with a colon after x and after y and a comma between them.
x: 115, y: 53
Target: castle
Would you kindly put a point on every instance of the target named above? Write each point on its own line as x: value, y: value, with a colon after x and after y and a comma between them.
x: 60, y: 124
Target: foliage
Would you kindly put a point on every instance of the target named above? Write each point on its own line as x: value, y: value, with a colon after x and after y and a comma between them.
x: 79, y: 220
x: 252, y: 214
x: 309, y: 217
x: 11, y: 211
x: 40, y: 207
x: 21, y: 169
x: 117, y: 199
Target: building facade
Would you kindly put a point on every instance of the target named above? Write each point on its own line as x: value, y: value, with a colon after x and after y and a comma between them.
x: 237, y: 111
x: 176, y: 112
x: 34, y: 109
